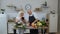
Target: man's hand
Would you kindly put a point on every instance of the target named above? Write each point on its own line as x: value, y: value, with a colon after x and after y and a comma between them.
x: 33, y: 24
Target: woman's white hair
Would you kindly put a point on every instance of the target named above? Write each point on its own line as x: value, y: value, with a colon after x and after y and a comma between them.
x: 20, y: 13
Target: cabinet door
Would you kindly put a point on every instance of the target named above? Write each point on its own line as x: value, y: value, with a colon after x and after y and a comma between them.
x: 10, y: 27
x: 53, y: 23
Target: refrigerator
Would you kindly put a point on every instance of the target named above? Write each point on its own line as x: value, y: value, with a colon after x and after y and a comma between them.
x: 3, y: 24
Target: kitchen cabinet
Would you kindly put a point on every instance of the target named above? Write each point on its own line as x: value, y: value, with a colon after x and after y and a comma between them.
x: 3, y: 24
x: 53, y: 23
x: 10, y: 27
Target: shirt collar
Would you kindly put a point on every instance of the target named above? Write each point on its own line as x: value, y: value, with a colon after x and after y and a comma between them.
x: 31, y: 15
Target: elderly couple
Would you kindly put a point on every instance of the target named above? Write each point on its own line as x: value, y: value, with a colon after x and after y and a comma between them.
x: 31, y: 19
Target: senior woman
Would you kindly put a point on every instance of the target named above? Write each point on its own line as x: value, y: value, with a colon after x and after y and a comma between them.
x: 20, y: 19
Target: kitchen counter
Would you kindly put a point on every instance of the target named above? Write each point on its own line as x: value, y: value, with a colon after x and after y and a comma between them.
x: 11, y: 27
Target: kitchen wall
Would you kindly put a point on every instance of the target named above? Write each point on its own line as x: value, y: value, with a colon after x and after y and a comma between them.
x: 52, y: 4
x: 19, y: 4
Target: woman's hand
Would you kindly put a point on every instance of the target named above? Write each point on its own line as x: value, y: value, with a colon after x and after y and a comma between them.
x: 23, y: 19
